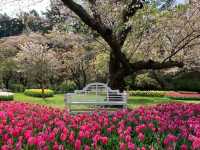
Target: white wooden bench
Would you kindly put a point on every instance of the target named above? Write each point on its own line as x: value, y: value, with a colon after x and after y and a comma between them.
x: 96, y: 94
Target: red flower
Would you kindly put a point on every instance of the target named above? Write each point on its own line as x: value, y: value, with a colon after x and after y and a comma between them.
x: 184, y: 147
x: 170, y: 138
x: 140, y: 128
x: 141, y: 136
x: 81, y: 134
x: 104, y: 140
x: 31, y: 140
x: 27, y: 134
x: 77, y: 144
x: 86, y: 147
x: 5, y: 147
x: 196, y: 143
x: 128, y: 138
x: 71, y: 136
x: 63, y: 137
x: 143, y: 148
x: 131, y: 146
x: 55, y: 146
x: 122, y: 146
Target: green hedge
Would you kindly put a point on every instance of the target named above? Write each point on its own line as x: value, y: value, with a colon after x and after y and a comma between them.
x: 38, y: 92
x: 65, y: 87
x: 17, y: 88
x: 147, y: 93
x: 6, y: 96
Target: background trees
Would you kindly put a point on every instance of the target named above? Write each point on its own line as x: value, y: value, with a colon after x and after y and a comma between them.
x: 124, y: 45
x: 114, y: 26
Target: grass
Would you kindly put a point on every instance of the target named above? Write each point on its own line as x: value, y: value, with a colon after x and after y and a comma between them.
x: 56, y: 101
x: 133, y: 101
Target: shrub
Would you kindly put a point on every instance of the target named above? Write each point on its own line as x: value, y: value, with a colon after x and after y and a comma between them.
x: 145, y: 81
x: 147, y: 93
x: 188, y: 81
x: 187, y: 84
x: 6, y: 96
x: 67, y: 86
x: 17, y: 87
x: 38, y: 92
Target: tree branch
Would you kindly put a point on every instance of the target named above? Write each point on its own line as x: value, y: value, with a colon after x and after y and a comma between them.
x: 121, y: 36
x: 88, y: 20
x: 145, y: 65
x: 128, y: 12
x: 150, y: 64
x: 181, y: 47
x: 131, y: 9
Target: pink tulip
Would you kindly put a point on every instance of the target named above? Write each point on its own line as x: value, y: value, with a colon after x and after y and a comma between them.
x: 184, y: 147
x: 196, y: 143
x: 71, y: 136
x: 63, y: 137
x: 77, y: 144
x: 5, y: 147
x: 131, y: 146
x: 143, y: 148
x: 122, y: 146
x: 31, y: 140
x: 141, y: 136
x: 104, y: 140
x: 86, y: 147
x: 52, y: 136
x: 170, y: 138
x: 128, y: 139
x: 55, y: 146
x: 81, y: 134
x: 27, y: 134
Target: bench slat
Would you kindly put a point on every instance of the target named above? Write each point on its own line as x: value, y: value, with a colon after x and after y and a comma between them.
x: 98, y: 103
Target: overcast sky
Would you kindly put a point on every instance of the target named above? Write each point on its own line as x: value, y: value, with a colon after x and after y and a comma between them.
x: 13, y: 7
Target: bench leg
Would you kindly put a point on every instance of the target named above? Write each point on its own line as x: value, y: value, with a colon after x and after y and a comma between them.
x: 125, y: 107
x: 69, y: 108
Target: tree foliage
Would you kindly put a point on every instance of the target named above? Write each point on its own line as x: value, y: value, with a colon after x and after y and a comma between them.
x: 38, y: 62
x: 114, y: 26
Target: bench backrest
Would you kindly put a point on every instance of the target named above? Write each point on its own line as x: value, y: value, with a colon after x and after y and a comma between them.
x: 98, y: 91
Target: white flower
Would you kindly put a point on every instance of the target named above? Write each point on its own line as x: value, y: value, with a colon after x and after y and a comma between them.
x: 6, y: 94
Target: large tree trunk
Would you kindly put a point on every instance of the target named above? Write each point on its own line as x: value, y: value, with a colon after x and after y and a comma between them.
x: 116, y: 77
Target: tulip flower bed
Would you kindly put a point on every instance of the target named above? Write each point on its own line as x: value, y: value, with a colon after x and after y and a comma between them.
x: 184, y: 95
x: 169, y: 127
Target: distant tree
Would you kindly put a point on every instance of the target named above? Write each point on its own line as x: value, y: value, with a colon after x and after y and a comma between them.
x: 76, y: 60
x: 33, y: 22
x: 10, y: 26
x: 59, y: 17
x: 7, y: 66
x: 38, y: 62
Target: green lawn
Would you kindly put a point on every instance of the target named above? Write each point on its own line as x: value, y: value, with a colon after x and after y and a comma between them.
x: 133, y: 101
x: 56, y: 101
